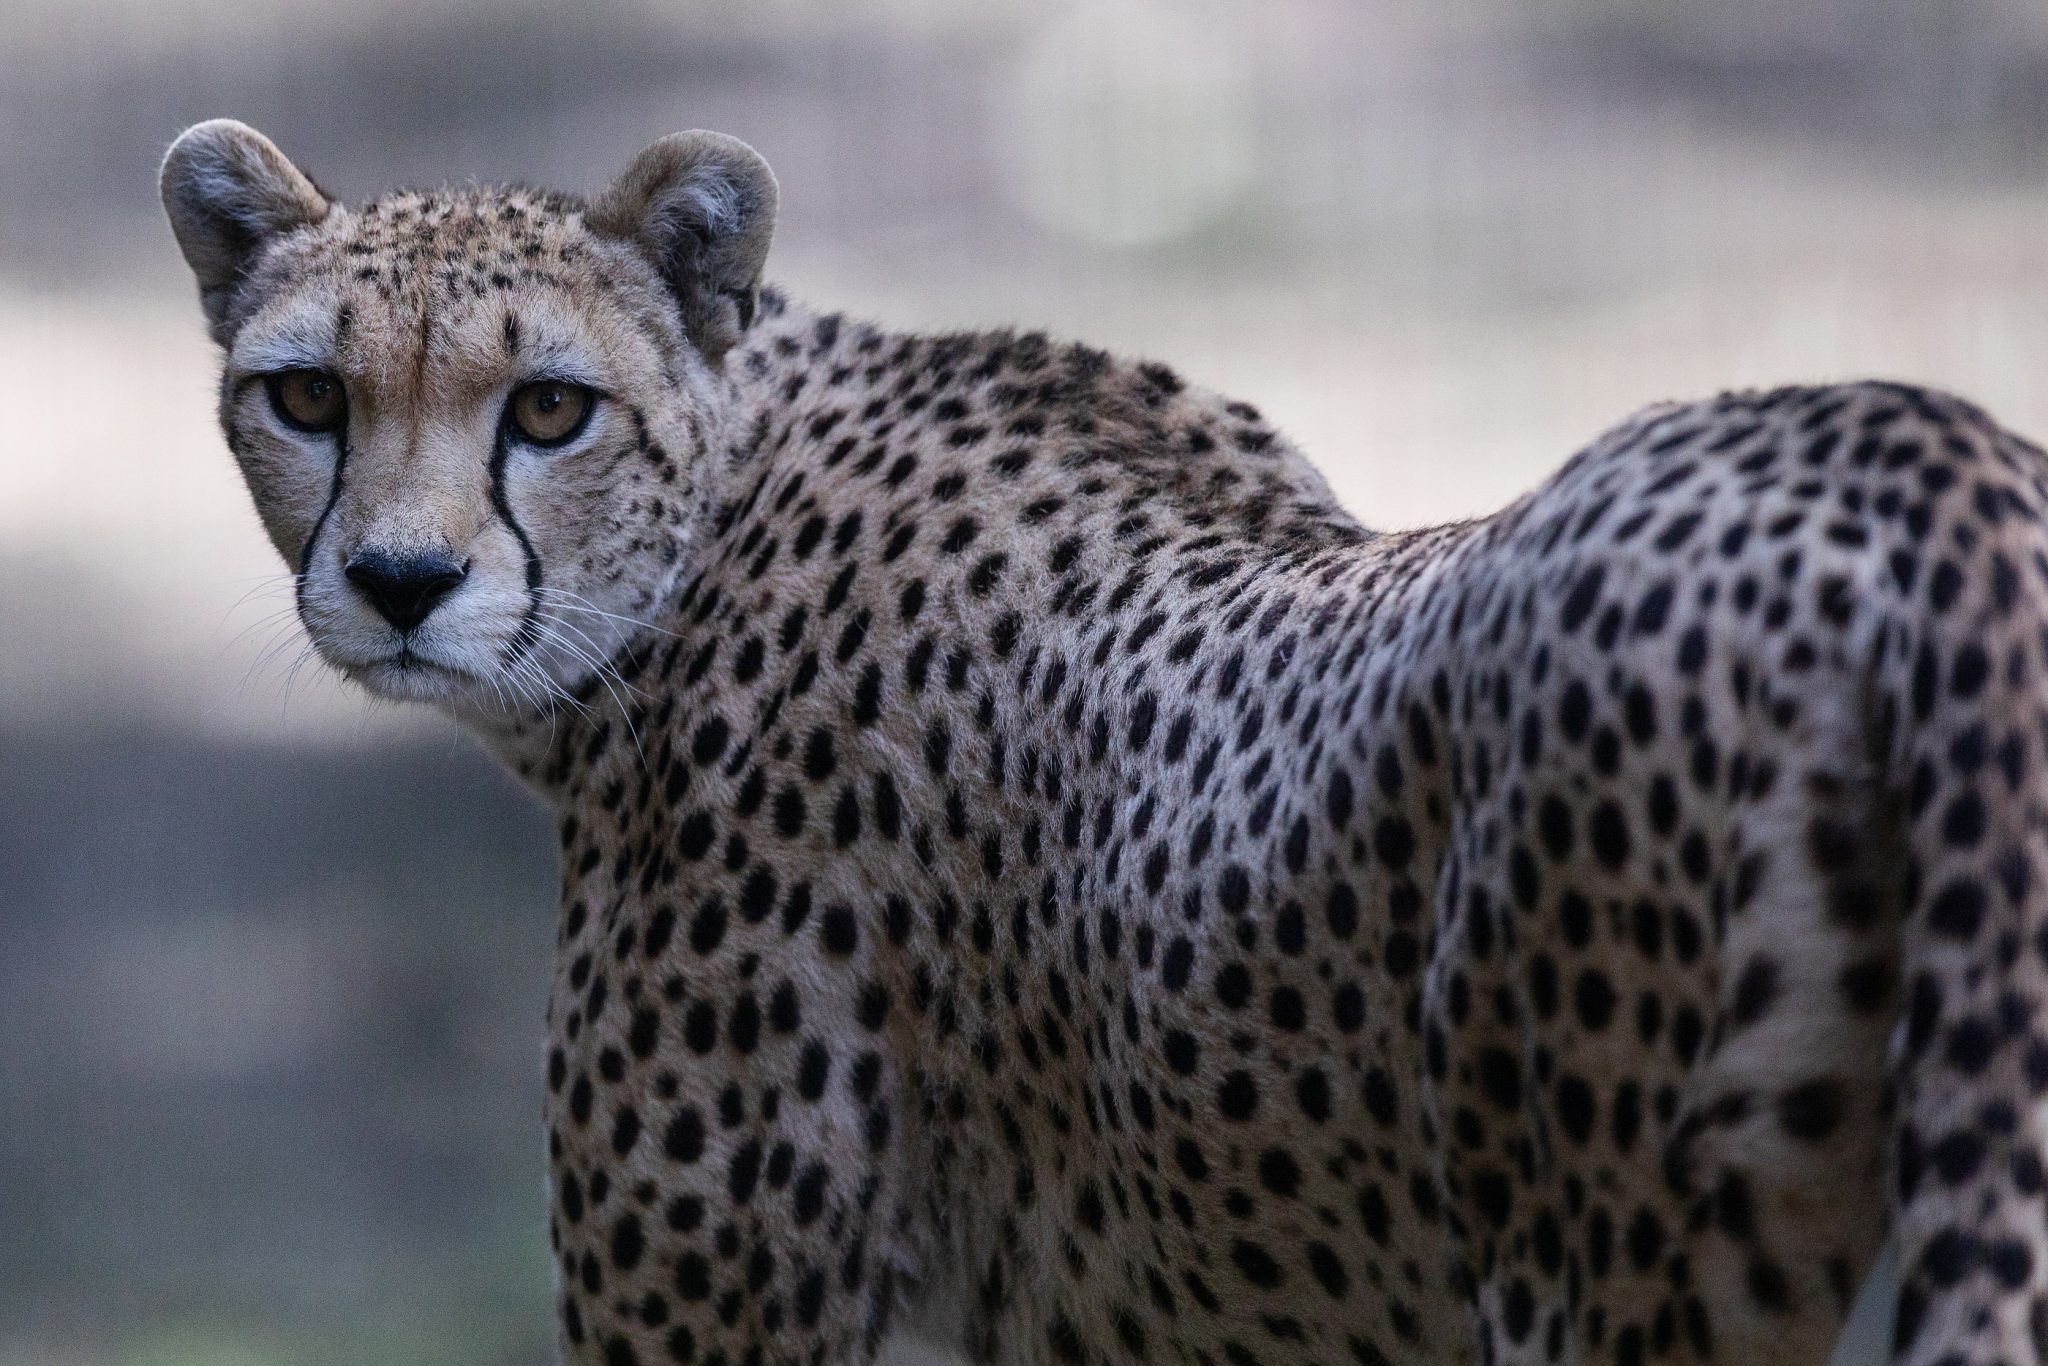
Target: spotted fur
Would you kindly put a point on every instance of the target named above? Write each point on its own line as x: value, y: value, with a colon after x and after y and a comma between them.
x: 1032, y: 851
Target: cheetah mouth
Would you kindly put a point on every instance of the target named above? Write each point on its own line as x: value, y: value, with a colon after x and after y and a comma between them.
x: 402, y: 669
x: 407, y: 675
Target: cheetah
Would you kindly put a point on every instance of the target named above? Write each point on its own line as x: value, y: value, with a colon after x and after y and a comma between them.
x: 1031, y: 862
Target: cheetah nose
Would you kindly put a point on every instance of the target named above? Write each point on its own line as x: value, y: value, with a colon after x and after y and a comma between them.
x: 404, y: 588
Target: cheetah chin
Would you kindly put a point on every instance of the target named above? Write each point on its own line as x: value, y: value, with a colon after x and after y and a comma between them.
x: 1033, y: 864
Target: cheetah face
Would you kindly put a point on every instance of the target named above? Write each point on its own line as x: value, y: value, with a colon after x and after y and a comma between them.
x: 478, y: 424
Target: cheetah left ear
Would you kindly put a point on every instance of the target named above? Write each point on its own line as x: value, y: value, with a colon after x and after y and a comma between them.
x: 229, y: 193
x: 702, y: 206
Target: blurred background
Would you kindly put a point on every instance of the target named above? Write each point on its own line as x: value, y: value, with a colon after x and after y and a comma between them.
x: 272, y: 962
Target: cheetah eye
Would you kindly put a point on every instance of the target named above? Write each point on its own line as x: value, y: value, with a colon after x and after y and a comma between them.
x: 307, y: 400
x: 548, y: 412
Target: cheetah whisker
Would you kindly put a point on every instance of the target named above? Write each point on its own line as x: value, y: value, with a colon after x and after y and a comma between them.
x: 576, y: 602
x: 604, y: 672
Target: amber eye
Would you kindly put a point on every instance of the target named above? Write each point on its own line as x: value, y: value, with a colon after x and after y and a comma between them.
x: 310, y: 400
x: 548, y: 412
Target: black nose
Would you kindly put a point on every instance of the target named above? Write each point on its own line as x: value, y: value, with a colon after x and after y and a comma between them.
x: 404, y: 588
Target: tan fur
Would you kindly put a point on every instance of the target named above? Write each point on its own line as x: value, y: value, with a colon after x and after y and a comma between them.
x: 1022, y: 839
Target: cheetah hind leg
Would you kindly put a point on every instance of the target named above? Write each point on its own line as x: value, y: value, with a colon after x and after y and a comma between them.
x: 1778, y: 1154
x: 1971, y: 1055
x: 1708, y: 1131
x: 1887, y: 922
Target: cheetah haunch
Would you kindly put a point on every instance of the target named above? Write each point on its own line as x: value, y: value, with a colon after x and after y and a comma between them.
x: 1024, y: 847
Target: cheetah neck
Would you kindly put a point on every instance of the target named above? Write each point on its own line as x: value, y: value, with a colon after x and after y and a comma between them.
x: 843, y: 440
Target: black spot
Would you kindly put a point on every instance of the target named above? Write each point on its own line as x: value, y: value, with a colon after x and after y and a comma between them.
x: 683, y: 1140
x: 1238, y: 1096
x: 1608, y: 831
x: 1256, y: 1264
x: 1813, y: 1110
x: 1755, y: 990
x: 1957, y: 909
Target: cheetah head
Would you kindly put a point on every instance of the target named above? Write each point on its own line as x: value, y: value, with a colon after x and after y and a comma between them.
x: 478, y: 423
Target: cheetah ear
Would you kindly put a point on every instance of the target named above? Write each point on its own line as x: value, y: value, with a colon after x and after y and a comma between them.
x: 702, y: 206
x: 229, y: 192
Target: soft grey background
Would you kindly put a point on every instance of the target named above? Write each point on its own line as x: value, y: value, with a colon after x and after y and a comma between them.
x: 272, y: 962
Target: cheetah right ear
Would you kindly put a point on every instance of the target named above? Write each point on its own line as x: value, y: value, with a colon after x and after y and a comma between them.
x: 229, y: 192
x: 702, y: 206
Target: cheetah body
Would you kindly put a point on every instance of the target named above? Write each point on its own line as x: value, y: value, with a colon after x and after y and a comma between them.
x: 1034, y: 861
x: 1072, y: 862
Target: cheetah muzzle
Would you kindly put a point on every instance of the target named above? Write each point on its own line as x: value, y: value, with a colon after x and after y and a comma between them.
x: 1025, y: 848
